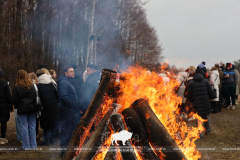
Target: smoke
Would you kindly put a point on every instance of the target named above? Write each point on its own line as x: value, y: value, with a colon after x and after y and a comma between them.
x: 65, y: 35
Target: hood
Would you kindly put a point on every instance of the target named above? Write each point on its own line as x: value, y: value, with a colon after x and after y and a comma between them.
x: 215, y: 72
x: 62, y: 78
x: 44, y: 79
x: 198, y: 77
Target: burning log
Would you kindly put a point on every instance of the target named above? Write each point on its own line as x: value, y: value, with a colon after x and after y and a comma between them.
x: 140, y: 139
x: 118, y: 126
x: 96, y: 137
x: 157, y: 134
x: 107, y: 79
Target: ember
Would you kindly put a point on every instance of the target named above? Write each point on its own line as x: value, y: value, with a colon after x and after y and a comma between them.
x: 149, y: 110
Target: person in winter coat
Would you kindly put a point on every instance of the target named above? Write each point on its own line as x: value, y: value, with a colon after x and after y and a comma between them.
x: 220, y: 85
x: 68, y: 102
x: 90, y: 87
x: 215, y: 81
x: 237, y: 86
x: 5, y: 107
x: 182, y: 76
x: 50, y: 118
x: 198, y: 92
x: 24, y: 99
x: 77, y: 83
x: 230, y: 81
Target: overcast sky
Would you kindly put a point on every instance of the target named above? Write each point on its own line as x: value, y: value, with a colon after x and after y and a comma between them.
x: 192, y: 31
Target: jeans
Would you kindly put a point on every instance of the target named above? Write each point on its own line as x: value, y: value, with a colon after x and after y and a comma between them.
x: 67, y: 128
x: 18, y: 126
x: 28, y: 125
x: 50, y: 135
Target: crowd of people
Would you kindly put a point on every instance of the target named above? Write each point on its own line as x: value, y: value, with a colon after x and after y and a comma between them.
x: 206, y: 91
x: 59, y: 104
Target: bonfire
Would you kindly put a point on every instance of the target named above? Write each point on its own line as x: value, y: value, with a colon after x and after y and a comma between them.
x: 141, y: 105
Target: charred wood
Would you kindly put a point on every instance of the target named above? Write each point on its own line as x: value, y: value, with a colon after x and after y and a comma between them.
x: 118, y: 126
x: 139, y: 139
x: 157, y: 134
x: 98, y: 136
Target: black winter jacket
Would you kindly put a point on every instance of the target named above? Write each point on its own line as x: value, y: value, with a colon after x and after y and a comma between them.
x: 198, y: 92
x: 24, y: 100
x: 89, y: 89
x: 50, y: 114
x: 5, y: 101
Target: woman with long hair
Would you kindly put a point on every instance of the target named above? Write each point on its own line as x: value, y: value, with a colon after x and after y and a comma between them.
x: 24, y: 98
x: 5, y: 107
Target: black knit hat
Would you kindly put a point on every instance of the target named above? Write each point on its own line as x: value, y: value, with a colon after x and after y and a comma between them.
x: 203, y: 62
x: 1, y: 74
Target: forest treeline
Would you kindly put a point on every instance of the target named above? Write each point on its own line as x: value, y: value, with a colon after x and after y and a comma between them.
x: 62, y: 32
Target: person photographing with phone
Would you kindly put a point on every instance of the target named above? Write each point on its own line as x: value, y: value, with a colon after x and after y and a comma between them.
x: 230, y: 81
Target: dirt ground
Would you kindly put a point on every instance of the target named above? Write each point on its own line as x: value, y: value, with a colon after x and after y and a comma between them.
x: 223, y: 143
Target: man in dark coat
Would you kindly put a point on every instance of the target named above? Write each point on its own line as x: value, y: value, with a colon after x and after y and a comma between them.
x: 199, y: 92
x: 77, y: 83
x: 90, y: 87
x: 5, y: 107
x: 68, y: 103
x: 230, y: 81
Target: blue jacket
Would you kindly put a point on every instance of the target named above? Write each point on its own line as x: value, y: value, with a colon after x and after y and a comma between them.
x: 68, y: 99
